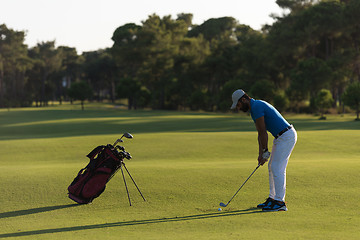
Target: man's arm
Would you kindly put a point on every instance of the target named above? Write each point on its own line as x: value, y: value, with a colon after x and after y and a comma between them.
x: 262, y: 138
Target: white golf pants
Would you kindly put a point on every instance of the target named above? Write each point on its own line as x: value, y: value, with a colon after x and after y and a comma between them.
x: 281, y: 151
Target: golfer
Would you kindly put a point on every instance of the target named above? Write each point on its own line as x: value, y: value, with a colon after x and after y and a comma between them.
x: 267, y: 118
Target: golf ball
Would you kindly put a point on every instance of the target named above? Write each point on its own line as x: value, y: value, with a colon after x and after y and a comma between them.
x: 219, y: 209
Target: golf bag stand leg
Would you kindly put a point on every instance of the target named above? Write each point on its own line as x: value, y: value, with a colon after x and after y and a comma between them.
x: 127, y: 191
x: 133, y: 182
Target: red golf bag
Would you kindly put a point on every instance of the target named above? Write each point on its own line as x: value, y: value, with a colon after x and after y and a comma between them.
x: 91, y: 180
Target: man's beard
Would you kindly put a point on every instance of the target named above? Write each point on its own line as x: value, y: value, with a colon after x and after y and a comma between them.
x: 244, y: 108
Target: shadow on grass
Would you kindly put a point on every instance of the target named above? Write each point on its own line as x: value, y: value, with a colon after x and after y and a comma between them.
x: 46, y: 124
x: 131, y: 223
x: 34, y: 210
x: 65, y: 123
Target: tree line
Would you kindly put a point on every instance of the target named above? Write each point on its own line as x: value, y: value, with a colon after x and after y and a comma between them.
x: 307, y: 59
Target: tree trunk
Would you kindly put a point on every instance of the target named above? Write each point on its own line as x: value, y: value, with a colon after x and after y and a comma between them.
x: 2, y: 90
x: 42, y: 96
x: 327, y: 49
x: 113, y: 91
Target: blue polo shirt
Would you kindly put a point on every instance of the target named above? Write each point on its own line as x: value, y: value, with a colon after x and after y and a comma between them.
x: 274, y: 122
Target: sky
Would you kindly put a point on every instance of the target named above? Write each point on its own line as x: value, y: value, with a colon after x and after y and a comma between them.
x: 88, y: 25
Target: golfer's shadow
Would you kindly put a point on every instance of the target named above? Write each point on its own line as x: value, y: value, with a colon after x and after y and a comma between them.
x: 34, y: 210
x: 119, y: 224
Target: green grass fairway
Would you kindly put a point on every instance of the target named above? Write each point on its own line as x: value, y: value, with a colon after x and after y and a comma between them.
x: 185, y: 165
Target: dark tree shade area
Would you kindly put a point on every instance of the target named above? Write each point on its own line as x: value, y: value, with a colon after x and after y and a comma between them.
x: 170, y: 63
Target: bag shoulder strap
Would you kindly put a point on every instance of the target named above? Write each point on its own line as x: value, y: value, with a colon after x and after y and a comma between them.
x: 95, y: 151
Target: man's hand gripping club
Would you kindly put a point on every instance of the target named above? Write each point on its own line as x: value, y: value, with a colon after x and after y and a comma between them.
x: 264, y: 157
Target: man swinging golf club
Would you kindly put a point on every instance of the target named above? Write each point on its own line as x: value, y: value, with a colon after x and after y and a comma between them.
x: 267, y: 118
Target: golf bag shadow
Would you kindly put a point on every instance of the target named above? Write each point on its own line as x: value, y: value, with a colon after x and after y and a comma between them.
x: 91, y: 181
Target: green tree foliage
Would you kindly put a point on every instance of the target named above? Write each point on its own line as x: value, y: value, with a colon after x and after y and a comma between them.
x: 312, y: 31
x: 137, y: 96
x: 310, y: 76
x: 318, y: 28
x: 127, y: 58
x: 323, y: 102
x: 170, y: 63
x: 99, y: 69
x: 187, y: 69
x: 160, y: 57
x: 281, y: 102
x: 215, y: 29
x: 294, y: 5
x: 14, y: 63
x: 251, y: 56
x: 263, y: 89
x: 219, y: 66
x: 47, y: 62
x: 162, y: 38
x: 351, y: 97
x: 351, y: 27
x: 70, y: 70
x: 80, y: 91
x: 227, y: 90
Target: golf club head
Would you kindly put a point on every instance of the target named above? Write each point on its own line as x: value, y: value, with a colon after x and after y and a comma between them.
x: 117, y: 141
x: 127, y: 155
x: 127, y: 135
x: 121, y: 148
x: 223, y: 204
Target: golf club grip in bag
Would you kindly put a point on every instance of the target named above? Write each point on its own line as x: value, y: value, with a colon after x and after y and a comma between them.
x: 91, y: 180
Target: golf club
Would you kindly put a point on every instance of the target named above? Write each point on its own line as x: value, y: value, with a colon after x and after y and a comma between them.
x: 127, y: 135
x: 223, y: 204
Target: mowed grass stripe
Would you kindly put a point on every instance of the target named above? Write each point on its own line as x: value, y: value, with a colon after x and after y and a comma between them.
x: 184, y: 171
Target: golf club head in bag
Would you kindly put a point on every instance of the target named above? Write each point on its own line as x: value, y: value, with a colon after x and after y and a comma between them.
x: 127, y: 135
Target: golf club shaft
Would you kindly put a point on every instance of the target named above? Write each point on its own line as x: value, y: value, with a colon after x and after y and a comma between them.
x: 243, y: 184
x: 116, y: 142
